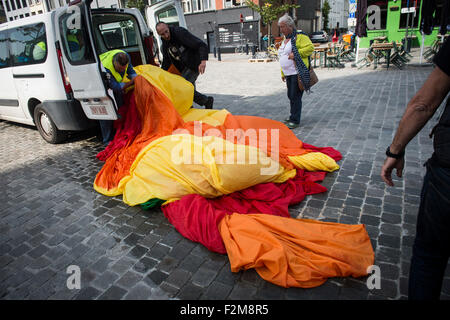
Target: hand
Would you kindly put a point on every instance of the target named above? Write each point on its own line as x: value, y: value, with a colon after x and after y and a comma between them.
x: 201, y: 67
x: 283, y: 78
x: 291, y: 56
x: 128, y: 84
x: 388, y: 166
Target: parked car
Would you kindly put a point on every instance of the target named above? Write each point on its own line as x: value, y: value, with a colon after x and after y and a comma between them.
x: 319, y: 36
x: 50, y: 69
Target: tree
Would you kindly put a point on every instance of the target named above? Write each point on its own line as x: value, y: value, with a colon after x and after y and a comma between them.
x: 325, y: 13
x: 270, y: 11
x: 139, y: 4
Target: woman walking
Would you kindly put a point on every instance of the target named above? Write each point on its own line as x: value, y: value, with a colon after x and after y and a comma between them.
x: 293, y: 54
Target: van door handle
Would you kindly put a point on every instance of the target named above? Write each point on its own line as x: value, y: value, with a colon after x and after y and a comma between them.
x: 97, y: 100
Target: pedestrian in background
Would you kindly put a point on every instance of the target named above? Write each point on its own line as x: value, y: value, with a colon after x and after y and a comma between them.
x: 294, y: 53
x: 431, y: 248
x: 187, y: 53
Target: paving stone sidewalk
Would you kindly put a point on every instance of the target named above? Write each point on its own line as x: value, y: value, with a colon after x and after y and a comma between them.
x: 51, y: 217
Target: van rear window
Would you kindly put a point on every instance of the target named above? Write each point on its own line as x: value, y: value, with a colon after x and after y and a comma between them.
x: 119, y: 34
x: 75, y: 40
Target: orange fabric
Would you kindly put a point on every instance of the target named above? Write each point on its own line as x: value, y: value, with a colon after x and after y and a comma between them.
x: 159, y: 118
x: 289, y: 144
x: 174, y: 70
x: 295, y: 252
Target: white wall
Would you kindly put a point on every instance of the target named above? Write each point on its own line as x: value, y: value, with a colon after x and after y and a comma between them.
x: 338, y: 13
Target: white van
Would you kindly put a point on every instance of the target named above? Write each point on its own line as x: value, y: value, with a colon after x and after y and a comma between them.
x: 50, y: 71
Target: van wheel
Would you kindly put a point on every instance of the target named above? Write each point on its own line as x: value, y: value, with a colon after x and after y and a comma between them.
x: 47, y: 127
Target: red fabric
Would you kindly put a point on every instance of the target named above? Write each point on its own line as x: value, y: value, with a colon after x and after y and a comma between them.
x: 329, y: 151
x: 127, y: 127
x: 197, y: 218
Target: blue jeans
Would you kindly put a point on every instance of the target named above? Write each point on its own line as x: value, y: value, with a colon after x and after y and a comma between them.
x: 431, y: 248
x: 295, y: 98
x: 192, y: 76
x: 107, y: 126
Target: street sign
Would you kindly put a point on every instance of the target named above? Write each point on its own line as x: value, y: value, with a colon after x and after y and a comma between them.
x: 408, y: 10
x: 351, y: 22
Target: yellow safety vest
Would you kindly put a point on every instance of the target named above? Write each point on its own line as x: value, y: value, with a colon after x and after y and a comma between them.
x: 72, y: 38
x: 42, y: 45
x: 107, y: 61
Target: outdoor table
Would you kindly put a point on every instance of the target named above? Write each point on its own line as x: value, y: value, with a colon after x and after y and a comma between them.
x: 322, y: 52
x: 384, y: 49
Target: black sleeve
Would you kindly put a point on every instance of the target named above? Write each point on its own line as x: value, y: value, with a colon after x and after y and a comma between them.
x: 166, y: 58
x: 189, y: 40
x: 442, y: 58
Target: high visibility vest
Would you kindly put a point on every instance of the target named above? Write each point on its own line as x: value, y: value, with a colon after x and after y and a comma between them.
x: 107, y: 61
x: 42, y: 45
x: 72, y: 38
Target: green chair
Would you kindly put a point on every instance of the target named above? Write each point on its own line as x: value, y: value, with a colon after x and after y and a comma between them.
x: 368, y: 59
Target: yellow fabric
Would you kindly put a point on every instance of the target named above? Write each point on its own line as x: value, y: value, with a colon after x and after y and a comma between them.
x: 314, y: 161
x: 209, y: 116
x: 107, y: 61
x: 215, y: 167
x: 305, y: 48
x: 176, y: 88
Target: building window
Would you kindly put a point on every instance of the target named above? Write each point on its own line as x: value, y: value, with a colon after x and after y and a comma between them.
x: 208, y: 5
x: 19, y: 5
x: 233, y: 3
x: 197, y: 5
x: 13, y: 4
x: 27, y: 14
x: 404, y: 16
x: 439, y: 14
x: 21, y: 16
x: 186, y: 6
x: 30, y: 2
x: 40, y: 11
x: 24, y: 3
x: 7, y: 6
x: 33, y: 13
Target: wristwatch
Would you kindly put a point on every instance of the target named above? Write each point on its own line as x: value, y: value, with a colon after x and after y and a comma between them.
x: 393, y: 155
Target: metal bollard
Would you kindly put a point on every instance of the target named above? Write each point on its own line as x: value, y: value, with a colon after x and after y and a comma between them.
x: 246, y: 48
x: 214, y: 52
x: 218, y: 54
x: 253, y: 50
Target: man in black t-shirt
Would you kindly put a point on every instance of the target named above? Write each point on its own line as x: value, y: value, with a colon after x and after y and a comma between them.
x: 431, y: 248
x: 187, y: 53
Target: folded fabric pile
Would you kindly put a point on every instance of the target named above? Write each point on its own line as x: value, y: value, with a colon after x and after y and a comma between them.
x: 226, y: 181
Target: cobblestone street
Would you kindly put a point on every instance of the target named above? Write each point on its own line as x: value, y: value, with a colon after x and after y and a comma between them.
x: 51, y: 217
